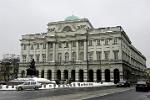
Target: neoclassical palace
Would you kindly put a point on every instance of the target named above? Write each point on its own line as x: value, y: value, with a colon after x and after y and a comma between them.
x: 74, y: 49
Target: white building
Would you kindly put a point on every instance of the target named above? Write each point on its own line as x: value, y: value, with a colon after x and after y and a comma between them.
x: 61, y: 53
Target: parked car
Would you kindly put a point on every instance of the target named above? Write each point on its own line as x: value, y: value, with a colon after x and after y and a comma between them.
x: 123, y: 84
x: 29, y: 85
x: 142, y: 86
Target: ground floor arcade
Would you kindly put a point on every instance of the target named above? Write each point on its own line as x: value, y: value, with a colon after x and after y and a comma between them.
x: 79, y: 73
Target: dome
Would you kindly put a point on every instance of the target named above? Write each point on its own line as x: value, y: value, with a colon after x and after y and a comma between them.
x: 71, y: 18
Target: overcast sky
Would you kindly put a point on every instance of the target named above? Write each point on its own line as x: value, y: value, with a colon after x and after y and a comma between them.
x: 18, y: 17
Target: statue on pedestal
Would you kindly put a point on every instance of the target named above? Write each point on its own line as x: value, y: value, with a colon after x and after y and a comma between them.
x: 31, y: 71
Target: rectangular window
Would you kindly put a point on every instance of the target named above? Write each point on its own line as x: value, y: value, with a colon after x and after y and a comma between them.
x: 98, y: 43
x: 37, y: 58
x: 50, y: 45
x: 116, y: 54
x: 106, y: 55
x: 98, y: 53
x: 90, y: 56
x: 37, y: 46
x: 66, y: 44
x: 44, y: 57
x: 90, y: 42
x: 81, y: 43
x: 59, y: 57
x: 44, y: 45
x: 73, y: 43
x: 24, y: 47
x: 31, y: 56
x: 115, y: 40
x: 24, y: 58
x: 32, y: 47
x: 51, y: 57
x: 59, y: 45
x: 106, y: 41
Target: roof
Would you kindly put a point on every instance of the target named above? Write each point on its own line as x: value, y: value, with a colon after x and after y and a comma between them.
x: 71, y: 18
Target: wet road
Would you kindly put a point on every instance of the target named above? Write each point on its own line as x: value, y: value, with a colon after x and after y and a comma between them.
x: 128, y: 95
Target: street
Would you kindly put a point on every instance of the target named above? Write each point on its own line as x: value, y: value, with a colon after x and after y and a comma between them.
x: 76, y: 94
x: 129, y: 95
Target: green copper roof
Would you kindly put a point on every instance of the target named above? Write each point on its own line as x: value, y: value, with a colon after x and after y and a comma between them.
x: 69, y: 18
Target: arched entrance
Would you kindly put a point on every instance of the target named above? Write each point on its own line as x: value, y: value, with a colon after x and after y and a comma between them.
x: 65, y: 74
x: 58, y: 74
x: 116, y: 76
x: 107, y: 75
x: 49, y: 74
x: 81, y: 75
x: 37, y: 73
x: 90, y: 75
x: 98, y: 74
x: 42, y: 74
x: 73, y: 75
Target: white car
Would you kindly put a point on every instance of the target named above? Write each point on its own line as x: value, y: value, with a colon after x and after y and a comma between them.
x: 29, y: 85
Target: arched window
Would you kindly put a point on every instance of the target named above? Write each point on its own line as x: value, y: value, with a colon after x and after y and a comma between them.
x: 67, y: 29
x: 66, y: 57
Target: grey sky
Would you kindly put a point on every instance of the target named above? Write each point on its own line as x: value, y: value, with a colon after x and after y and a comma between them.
x: 18, y: 17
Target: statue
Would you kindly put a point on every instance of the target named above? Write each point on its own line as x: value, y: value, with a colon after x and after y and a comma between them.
x: 31, y: 71
x: 32, y: 64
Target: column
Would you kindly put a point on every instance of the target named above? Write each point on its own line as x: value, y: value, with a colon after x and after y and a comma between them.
x: 103, y: 75
x: 45, y: 74
x: 62, y: 74
x: 111, y: 75
x: 85, y: 51
x: 94, y: 76
x: 54, y: 51
x: 76, y: 75
x: 94, y: 55
x: 85, y: 78
x: 70, y: 52
x: 47, y: 59
x: 77, y: 51
x: 53, y: 75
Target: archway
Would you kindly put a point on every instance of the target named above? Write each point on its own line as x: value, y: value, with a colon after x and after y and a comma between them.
x: 107, y: 75
x: 37, y: 73
x: 116, y: 76
x: 73, y: 75
x: 49, y: 74
x: 42, y: 74
x: 98, y: 74
x: 65, y: 74
x: 81, y: 75
x: 58, y: 75
x: 90, y: 75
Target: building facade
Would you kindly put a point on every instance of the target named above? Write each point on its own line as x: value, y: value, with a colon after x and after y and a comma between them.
x: 74, y: 49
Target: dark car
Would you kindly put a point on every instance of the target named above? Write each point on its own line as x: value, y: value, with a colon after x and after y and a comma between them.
x: 123, y: 84
x: 142, y: 86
